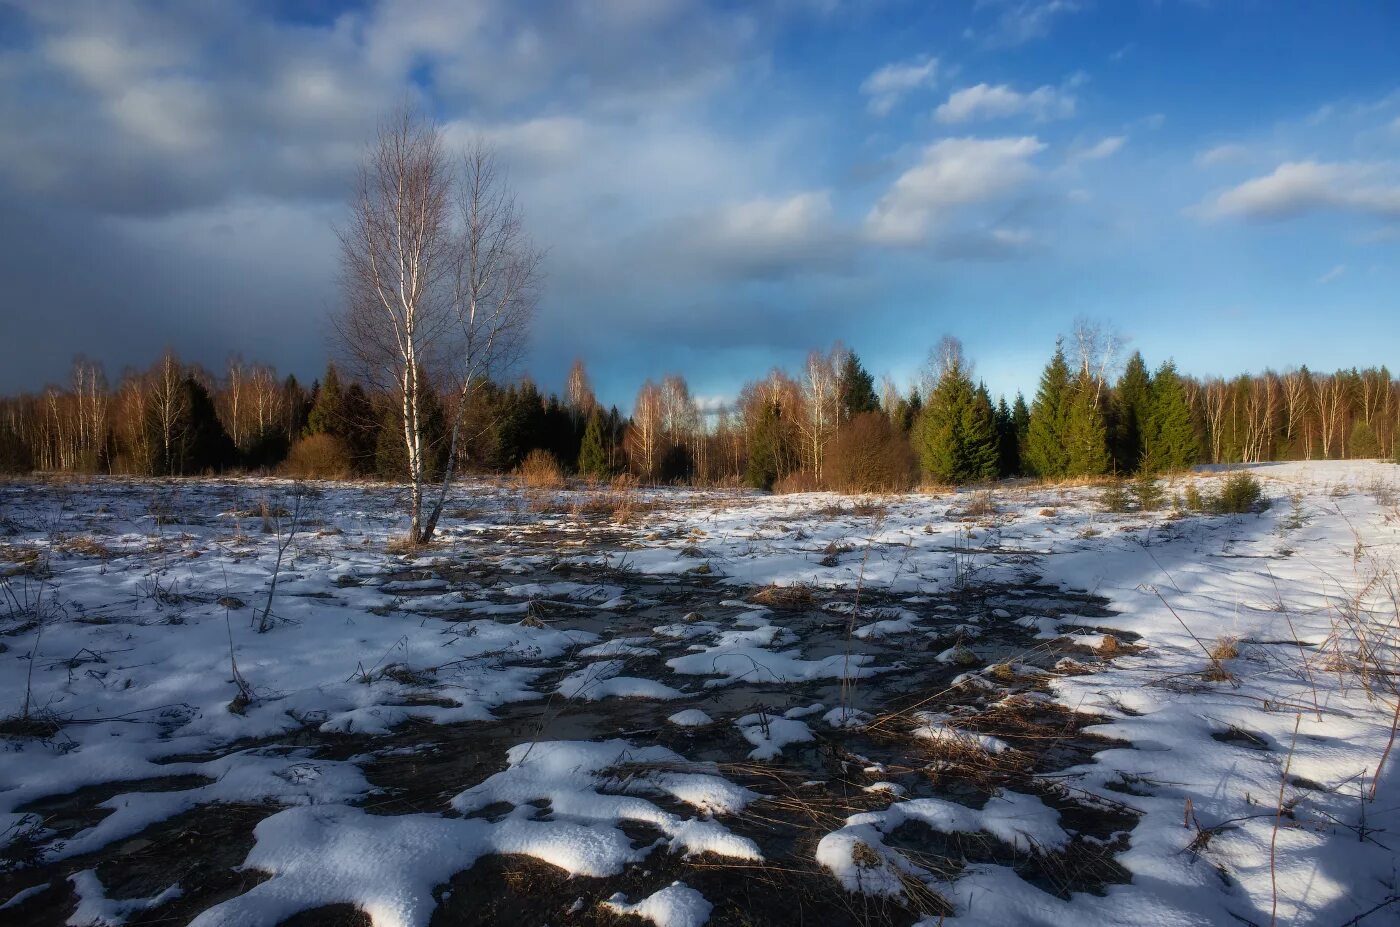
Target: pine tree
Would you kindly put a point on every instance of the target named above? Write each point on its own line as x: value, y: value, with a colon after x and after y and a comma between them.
x: 1086, y: 433
x: 857, y: 388
x: 593, y: 454
x: 1132, y: 400
x: 1046, y: 455
x: 327, y: 414
x: 955, y: 436
x: 1170, y: 441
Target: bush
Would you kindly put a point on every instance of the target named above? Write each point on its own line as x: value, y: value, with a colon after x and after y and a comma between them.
x: 1148, y: 494
x: 1114, y: 497
x: 796, y: 481
x: 1239, y: 493
x: 1195, y: 502
x: 540, y: 470
x: 869, y: 455
x: 319, y: 457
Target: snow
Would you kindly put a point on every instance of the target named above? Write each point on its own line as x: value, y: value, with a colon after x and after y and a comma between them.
x: 690, y: 717
x: 676, y: 905
x: 95, y: 909
x: 1020, y: 821
x: 133, y: 657
x: 770, y: 734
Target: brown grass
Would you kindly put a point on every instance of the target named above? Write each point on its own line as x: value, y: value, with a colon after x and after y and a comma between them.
x: 1226, y: 648
x: 619, y: 500
x: 318, y: 457
x: 794, y: 596
x: 85, y: 545
x: 540, y: 470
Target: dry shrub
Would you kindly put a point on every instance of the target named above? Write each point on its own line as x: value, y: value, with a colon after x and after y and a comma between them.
x: 540, y: 470
x: 1226, y: 648
x: 979, y: 504
x: 318, y: 457
x: 869, y: 455
x: 618, y: 500
x: 775, y: 596
x: 796, y: 481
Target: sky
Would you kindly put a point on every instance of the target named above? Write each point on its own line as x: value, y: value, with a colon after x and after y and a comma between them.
x: 720, y: 187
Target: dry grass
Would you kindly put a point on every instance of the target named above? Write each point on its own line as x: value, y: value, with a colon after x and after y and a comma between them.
x: 619, y: 500
x: 1226, y: 648
x: 793, y: 596
x: 403, y: 546
x: 540, y: 470
x: 979, y: 505
x: 85, y: 545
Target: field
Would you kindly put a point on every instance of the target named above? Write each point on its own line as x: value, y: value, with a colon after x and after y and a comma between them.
x: 242, y: 702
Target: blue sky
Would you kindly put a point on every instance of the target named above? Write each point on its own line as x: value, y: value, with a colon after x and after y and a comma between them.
x: 722, y: 186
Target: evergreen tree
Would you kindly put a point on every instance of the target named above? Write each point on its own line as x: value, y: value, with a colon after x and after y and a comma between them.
x: 762, y: 469
x: 593, y: 454
x: 1170, y: 441
x: 297, y: 403
x: 361, y: 429
x: 1008, y: 442
x: 857, y: 388
x: 1021, y: 423
x: 907, y: 413
x: 327, y: 415
x: 390, y: 454
x: 955, y: 436
x: 205, y: 445
x: 1046, y: 455
x: 1363, y: 443
x: 1086, y: 433
x: 1132, y: 400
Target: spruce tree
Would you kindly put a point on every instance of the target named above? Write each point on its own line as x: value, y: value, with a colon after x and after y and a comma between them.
x: 1008, y: 442
x: 1132, y: 400
x: 762, y: 469
x: 1086, y: 433
x: 327, y: 415
x: 857, y: 388
x: 593, y: 453
x: 1021, y: 423
x: 955, y: 436
x: 907, y: 413
x: 1170, y: 438
x: 1045, y: 454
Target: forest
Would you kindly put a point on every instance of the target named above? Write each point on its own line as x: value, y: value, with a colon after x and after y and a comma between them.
x: 827, y: 425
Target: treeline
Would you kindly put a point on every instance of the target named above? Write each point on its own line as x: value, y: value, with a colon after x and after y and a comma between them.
x: 826, y: 426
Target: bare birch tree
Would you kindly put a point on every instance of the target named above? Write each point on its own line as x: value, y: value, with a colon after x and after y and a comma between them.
x: 644, y: 437
x: 821, y: 408
x: 440, y: 287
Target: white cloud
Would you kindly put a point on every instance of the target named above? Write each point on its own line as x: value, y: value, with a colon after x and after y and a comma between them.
x: 890, y: 83
x: 953, y: 173
x: 1026, y: 20
x: 1333, y: 274
x: 1230, y: 153
x: 765, y: 237
x: 1104, y: 148
x: 985, y: 101
x: 1299, y: 187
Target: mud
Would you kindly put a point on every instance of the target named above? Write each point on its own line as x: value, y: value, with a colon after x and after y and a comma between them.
x: 809, y: 790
